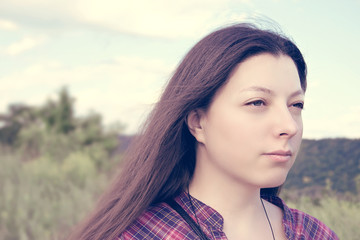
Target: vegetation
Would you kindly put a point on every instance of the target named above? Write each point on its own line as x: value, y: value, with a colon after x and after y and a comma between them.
x: 339, y: 214
x: 42, y: 199
x: 54, y: 166
x: 331, y: 164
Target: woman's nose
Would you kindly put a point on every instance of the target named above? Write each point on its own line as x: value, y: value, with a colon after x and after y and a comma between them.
x: 286, y: 125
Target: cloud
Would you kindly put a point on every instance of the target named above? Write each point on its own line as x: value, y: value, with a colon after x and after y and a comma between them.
x: 345, y: 124
x: 350, y: 122
x: 37, y: 9
x: 123, y: 89
x: 23, y: 45
x: 157, y: 18
x: 8, y: 25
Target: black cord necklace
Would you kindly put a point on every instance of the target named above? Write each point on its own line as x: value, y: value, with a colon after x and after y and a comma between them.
x: 267, y: 217
x: 192, y: 206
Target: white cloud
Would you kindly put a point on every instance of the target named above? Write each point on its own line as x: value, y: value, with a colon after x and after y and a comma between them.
x: 23, y: 45
x: 345, y: 124
x: 157, y: 18
x: 8, y: 25
x: 37, y: 9
x: 123, y: 90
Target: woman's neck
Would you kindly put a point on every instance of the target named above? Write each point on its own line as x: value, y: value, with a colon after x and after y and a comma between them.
x: 223, y: 192
x: 227, y: 199
x: 237, y: 202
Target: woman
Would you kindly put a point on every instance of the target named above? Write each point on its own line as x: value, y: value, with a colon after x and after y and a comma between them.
x: 216, y: 148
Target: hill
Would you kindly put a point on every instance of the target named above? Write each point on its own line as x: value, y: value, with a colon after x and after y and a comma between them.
x: 333, y: 164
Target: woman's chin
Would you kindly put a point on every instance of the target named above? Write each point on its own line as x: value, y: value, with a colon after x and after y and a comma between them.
x: 275, y: 182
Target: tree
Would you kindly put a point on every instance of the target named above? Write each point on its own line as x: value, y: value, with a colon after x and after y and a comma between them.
x: 18, y: 116
x: 59, y: 116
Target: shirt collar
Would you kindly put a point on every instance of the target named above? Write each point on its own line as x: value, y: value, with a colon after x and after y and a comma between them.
x: 205, y: 214
x: 211, y: 218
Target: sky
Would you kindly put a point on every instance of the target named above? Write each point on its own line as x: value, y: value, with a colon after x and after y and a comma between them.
x: 115, y: 56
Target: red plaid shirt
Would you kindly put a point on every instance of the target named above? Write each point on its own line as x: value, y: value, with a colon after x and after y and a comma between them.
x: 162, y: 222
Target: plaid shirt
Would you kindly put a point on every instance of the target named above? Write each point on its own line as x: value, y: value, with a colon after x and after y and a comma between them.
x: 162, y: 222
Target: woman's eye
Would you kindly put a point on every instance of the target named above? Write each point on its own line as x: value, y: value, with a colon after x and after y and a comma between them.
x: 256, y: 103
x: 299, y: 105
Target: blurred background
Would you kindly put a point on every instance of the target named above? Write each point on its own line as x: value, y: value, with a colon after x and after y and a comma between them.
x: 77, y: 79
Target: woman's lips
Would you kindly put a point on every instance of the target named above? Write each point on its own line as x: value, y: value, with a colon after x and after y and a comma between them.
x: 279, y: 155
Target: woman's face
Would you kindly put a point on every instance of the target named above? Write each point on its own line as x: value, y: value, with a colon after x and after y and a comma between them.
x: 252, y: 130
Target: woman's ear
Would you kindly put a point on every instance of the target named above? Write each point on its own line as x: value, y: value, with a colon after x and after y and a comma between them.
x: 194, y: 122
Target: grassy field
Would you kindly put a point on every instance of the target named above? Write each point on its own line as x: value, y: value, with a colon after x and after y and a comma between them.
x: 342, y: 216
x: 42, y: 199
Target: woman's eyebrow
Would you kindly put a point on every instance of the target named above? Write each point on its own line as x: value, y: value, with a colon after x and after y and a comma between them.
x: 270, y: 92
x: 258, y: 89
x: 297, y: 93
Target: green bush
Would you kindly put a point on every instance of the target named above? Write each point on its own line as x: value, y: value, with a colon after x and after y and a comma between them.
x: 43, y: 199
x: 78, y: 167
x: 342, y: 216
x: 53, y: 167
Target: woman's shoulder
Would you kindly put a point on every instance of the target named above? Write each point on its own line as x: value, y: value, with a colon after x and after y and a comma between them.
x: 309, y: 226
x: 159, y: 221
x: 300, y: 225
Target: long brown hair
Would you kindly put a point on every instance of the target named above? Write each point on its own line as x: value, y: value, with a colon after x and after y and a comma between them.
x: 161, y: 161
